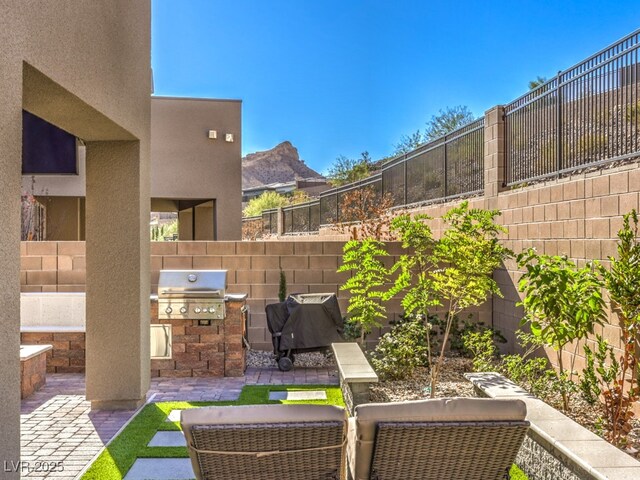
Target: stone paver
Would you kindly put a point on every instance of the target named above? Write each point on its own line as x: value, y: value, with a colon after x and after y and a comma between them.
x: 174, y: 416
x: 57, y: 423
x: 168, y: 439
x: 299, y: 396
x: 160, y: 469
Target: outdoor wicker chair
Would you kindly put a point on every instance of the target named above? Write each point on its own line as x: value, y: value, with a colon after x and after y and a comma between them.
x: 440, y: 439
x: 266, y: 442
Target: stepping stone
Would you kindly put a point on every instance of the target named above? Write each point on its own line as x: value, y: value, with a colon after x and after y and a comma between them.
x: 161, y: 469
x: 168, y: 439
x: 300, y: 396
x: 174, y: 416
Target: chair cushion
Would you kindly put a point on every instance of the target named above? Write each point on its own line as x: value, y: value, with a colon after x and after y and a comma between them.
x: 248, y: 414
x: 362, y: 428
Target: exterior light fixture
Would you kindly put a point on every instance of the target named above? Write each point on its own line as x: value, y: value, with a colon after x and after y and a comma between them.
x: 228, y: 137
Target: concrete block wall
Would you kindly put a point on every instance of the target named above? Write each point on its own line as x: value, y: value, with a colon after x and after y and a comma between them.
x: 577, y: 215
x: 254, y: 268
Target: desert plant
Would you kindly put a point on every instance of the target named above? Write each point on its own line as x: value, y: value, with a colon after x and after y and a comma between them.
x: 562, y: 304
x: 282, y: 287
x: 454, y: 272
x: 368, y: 276
x: 158, y: 233
x: 365, y: 213
x: 621, y: 281
x: 402, y: 349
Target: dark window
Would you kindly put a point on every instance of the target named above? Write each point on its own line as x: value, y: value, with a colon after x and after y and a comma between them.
x: 46, y: 148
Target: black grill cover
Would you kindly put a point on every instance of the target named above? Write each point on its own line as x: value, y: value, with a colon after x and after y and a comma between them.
x: 306, y: 321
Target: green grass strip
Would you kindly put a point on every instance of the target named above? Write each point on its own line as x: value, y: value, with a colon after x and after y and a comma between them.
x: 116, y: 460
x: 516, y: 473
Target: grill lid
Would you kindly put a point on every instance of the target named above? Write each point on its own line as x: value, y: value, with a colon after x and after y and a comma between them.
x: 192, y: 283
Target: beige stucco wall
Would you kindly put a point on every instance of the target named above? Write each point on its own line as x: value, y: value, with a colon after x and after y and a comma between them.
x: 85, y: 67
x: 185, y: 165
x: 179, y: 138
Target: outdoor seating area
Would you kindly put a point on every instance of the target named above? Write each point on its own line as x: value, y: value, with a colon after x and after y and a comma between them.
x: 382, y: 441
x: 460, y: 305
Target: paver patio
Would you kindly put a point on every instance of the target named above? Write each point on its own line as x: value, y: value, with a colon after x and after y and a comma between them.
x: 58, y: 425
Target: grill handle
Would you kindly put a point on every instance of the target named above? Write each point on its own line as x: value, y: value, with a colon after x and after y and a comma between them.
x: 191, y: 292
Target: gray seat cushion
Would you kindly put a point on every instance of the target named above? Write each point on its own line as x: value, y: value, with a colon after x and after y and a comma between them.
x: 362, y: 427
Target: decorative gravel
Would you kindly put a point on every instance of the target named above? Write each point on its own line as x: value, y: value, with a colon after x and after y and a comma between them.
x: 257, y: 358
x: 451, y: 383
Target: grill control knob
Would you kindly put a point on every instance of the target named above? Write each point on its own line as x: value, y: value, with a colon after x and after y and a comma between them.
x: 197, y: 310
x: 212, y: 310
x: 183, y: 309
x: 169, y: 310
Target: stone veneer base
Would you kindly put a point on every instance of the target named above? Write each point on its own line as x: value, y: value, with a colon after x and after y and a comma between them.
x: 556, y: 447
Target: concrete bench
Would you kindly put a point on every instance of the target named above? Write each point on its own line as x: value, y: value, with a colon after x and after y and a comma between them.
x: 33, y: 368
x: 355, y: 373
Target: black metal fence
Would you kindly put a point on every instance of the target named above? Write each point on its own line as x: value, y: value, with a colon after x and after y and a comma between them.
x: 332, y: 202
x: 270, y: 222
x: 584, y: 116
x: 448, y: 167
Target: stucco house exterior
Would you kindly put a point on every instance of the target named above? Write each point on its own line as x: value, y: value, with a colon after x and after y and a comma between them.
x: 193, y: 140
x: 84, y: 67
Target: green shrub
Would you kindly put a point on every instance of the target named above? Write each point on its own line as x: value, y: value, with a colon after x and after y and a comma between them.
x: 351, y: 331
x: 562, y: 304
x: 482, y: 349
x: 459, y: 329
x: 402, y: 349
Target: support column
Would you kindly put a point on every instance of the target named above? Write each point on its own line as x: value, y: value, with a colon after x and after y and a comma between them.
x: 118, y: 257
x: 10, y: 181
x: 280, y: 222
x: 493, y: 154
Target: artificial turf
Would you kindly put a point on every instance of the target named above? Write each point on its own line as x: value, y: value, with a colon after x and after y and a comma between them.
x: 114, y: 462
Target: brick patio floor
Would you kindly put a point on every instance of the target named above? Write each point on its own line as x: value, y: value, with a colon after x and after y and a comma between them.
x: 58, y: 425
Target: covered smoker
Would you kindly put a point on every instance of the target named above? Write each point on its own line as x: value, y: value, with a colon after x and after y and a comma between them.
x: 302, y: 323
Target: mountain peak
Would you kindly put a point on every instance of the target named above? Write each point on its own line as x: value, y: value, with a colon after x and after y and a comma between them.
x: 281, y: 164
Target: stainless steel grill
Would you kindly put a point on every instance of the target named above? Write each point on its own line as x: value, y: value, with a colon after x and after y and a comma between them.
x: 192, y: 294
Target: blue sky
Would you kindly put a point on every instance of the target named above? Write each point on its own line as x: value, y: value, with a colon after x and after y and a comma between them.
x: 341, y: 77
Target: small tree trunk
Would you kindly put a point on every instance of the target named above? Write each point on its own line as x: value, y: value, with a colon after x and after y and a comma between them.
x: 565, y: 400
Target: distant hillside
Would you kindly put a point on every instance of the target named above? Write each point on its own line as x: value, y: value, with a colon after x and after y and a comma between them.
x: 281, y: 164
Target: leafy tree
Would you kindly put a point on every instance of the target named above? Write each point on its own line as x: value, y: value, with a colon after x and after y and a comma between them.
x: 368, y: 275
x: 298, y: 196
x: 454, y: 272
x: 265, y: 201
x: 347, y: 170
x: 621, y: 281
x: 533, y: 84
x: 562, y: 304
x: 408, y: 143
x: 447, y: 120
